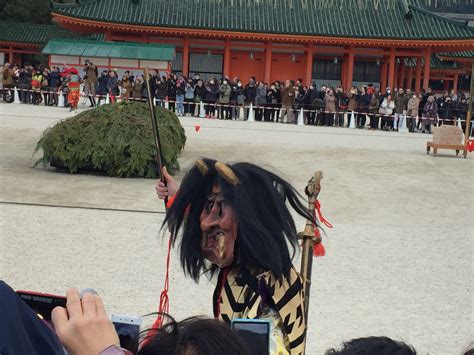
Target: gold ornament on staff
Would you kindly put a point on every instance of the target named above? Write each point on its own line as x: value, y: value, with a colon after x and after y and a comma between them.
x: 309, y: 239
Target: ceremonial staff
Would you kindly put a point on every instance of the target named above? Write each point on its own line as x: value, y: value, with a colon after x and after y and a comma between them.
x: 310, y: 237
x: 156, y: 132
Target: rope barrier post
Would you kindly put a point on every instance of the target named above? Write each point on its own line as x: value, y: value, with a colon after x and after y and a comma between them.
x: 60, y: 99
x: 352, y: 121
x: 16, y: 97
x: 403, y: 124
x: 202, y: 110
x: 107, y: 99
x: 251, y: 114
x: 301, y: 118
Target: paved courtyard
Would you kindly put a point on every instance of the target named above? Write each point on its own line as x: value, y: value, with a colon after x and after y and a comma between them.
x: 399, y: 258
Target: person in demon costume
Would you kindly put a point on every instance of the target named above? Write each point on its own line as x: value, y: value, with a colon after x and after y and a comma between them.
x: 233, y: 220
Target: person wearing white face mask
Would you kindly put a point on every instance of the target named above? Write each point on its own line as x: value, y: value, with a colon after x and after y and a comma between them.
x: 211, y: 98
x: 412, y: 112
x: 273, y: 96
x: 224, y: 98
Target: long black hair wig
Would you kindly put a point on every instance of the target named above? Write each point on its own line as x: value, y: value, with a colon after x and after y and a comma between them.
x: 267, y: 236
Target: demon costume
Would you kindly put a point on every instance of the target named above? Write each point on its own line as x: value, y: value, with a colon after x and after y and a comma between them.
x: 233, y: 220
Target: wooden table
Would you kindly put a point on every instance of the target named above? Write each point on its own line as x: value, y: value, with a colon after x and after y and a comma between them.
x: 436, y: 146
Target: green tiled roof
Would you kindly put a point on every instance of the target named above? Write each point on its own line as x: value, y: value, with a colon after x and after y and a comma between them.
x: 35, y: 34
x: 458, y: 55
x: 103, y: 49
x: 435, y: 62
x: 335, y: 18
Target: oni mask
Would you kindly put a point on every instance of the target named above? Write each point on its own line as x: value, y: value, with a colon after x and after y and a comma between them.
x: 218, y: 229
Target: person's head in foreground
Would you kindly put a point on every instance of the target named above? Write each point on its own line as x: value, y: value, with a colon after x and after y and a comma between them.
x: 235, y: 219
x: 193, y: 336
x: 373, y: 346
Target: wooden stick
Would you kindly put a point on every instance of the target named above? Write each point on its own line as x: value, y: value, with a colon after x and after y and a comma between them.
x: 309, y: 240
x: 156, y: 132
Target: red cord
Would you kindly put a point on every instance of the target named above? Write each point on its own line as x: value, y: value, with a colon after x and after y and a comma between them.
x: 320, y: 216
x: 164, y: 299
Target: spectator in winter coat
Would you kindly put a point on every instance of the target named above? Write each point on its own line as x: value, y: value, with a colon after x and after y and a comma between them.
x: 412, y: 112
x: 212, y: 96
x: 200, y: 92
x: 250, y: 91
x: 161, y: 91
x: 400, y: 108
x: 445, y: 109
x: 137, y: 88
x: 342, y: 102
x: 102, y: 85
x: 24, y: 82
x: 225, y: 90
x: 287, y: 102
x: 260, y: 100
x: 273, y: 96
x: 329, y: 107
x: 386, y: 110
x: 54, y: 83
x: 374, y: 105
x: 460, y: 111
x: 91, y: 71
x: 430, y: 114
x: 171, y: 91
x: 112, y: 83
x: 189, y: 105
x: 237, y: 98
x: 180, y: 90
x: 7, y: 79
x: 363, y: 100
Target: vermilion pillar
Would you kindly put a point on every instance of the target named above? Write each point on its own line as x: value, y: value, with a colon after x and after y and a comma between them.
x: 409, y: 78
x: 227, y: 57
x: 186, y: 56
x: 401, y: 76
x: 10, y: 55
x: 350, y: 67
x: 268, y: 62
x: 418, y: 75
x: 446, y: 85
x: 344, y: 72
x: 426, y: 69
x: 391, y: 68
x: 455, y: 82
x: 309, y: 63
x: 383, y: 76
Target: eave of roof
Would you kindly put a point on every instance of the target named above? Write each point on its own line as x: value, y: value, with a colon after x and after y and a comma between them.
x: 251, y: 19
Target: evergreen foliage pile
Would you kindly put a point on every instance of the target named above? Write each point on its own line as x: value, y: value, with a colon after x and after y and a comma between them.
x: 113, y: 140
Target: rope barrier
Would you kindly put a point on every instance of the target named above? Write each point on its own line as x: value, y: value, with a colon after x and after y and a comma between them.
x: 216, y: 105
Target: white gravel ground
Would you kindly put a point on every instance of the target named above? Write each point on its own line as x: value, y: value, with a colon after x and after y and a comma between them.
x: 399, y: 258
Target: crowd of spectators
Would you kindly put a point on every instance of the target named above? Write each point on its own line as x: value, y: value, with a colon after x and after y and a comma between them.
x: 227, y: 98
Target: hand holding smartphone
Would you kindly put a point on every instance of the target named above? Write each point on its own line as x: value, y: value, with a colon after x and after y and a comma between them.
x: 126, y: 327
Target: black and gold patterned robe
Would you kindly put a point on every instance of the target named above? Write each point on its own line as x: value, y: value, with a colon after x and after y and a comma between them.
x: 246, y: 293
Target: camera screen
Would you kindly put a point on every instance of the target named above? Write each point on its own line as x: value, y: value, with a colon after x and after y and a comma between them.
x: 128, y: 335
x: 255, y: 334
x: 42, y: 305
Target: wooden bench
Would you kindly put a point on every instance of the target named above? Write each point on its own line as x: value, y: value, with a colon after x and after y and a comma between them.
x: 436, y: 146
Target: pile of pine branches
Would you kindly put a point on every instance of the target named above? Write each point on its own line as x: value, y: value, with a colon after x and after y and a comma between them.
x: 113, y: 140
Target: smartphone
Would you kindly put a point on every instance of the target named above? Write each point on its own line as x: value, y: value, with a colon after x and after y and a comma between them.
x: 255, y: 333
x: 42, y: 303
x: 128, y: 329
